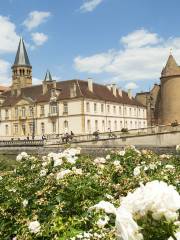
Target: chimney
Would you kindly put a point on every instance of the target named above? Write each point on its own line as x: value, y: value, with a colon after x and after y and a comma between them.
x: 120, y: 92
x: 114, y: 89
x: 129, y: 93
x: 90, y: 84
x: 45, y: 88
x: 109, y: 86
x: 73, y: 90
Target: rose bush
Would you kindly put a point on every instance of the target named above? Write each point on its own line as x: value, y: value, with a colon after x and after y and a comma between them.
x: 128, y: 195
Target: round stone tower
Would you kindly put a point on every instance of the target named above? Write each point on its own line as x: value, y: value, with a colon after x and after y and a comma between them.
x: 170, y: 92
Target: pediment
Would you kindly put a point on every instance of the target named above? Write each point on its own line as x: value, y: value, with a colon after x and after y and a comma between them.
x: 24, y: 101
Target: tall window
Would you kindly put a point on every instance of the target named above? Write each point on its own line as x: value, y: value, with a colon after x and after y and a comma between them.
x: 95, y: 107
x: 6, y: 114
x: 108, y: 108
x: 42, y: 128
x: 125, y: 111
x: 24, y: 129
x: 109, y: 124
x: 129, y: 111
x: 31, y: 128
x: 103, y: 126
x: 7, y: 130
x: 126, y: 124
x: 89, y: 125
x: 96, y: 125
x: 31, y: 111
x: 114, y: 109
x: 134, y: 111
x: 65, y: 124
x: 53, y: 108
x: 87, y: 107
x: 115, y: 125
x: 42, y: 110
x: 54, y: 127
x: 65, y: 108
x: 16, y: 112
x: 102, y: 108
x: 120, y: 110
x: 23, y: 112
x: 15, y: 129
x: 131, y: 125
x: 139, y: 124
x: 121, y: 125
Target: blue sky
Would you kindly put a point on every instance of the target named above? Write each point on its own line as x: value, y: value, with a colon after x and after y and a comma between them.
x: 120, y: 41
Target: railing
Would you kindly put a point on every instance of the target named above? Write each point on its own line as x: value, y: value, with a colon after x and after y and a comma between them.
x: 62, y: 139
x: 21, y: 143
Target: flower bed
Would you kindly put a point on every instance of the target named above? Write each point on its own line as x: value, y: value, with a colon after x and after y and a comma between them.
x: 128, y: 195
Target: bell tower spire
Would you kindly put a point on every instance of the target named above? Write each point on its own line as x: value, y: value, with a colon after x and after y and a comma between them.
x: 21, y: 69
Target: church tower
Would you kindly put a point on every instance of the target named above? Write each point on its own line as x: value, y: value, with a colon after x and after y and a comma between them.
x: 21, y: 69
x: 170, y: 95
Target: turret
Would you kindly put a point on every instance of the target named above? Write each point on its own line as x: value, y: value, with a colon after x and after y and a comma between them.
x: 170, y: 95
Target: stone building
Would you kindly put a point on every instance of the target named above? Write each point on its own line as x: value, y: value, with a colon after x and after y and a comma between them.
x: 163, y: 101
x: 54, y: 107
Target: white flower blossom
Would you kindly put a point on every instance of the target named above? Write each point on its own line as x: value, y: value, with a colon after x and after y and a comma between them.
x: 62, y: 173
x: 22, y: 156
x: 108, y: 157
x: 34, y: 227
x: 106, y: 206
x: 102, y: 222
x: 43, y: 172
x: 25, y: 203
x: 100, y: 160
x: 137, y: 171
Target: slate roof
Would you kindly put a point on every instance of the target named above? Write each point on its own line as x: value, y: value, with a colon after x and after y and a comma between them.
x: 100, y: 92
x: 21, y: 58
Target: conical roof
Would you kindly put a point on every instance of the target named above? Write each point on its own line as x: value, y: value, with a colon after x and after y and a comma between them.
x: 21, y: 55
x: 171, y: 67
x: 48, y: 76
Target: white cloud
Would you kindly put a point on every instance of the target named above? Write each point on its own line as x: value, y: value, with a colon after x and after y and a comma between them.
x: 8, y: 37
x: 142, y: 57
x: 36, y: 81
x: 4, y: 72
x: 90, y: 5
x: 36, y: 18
x: 131, y: 85
x: 94, y: 64
x: 140, y: 38
x: 39, y: 38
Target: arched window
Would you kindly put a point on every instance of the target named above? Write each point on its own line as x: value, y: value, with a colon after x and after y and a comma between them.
x: 109, y: 124
x: 65, y: 124
x: 96, y: 125
x: 87, y: 107
x: 42, y: 128
x: 7, y: 130
x: 115, y: 125
x: 103, y: 126
x: 121, y: 125
x: 131, y: 124
x: 89, y: 126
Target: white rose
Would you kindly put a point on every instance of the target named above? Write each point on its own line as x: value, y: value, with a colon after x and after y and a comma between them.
x: 34, y: 227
